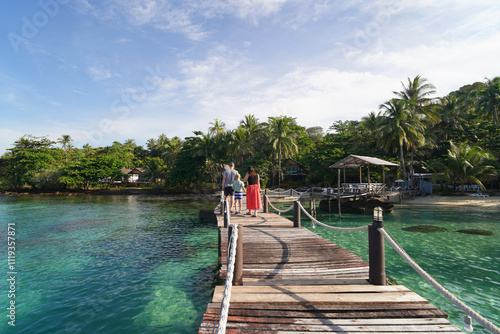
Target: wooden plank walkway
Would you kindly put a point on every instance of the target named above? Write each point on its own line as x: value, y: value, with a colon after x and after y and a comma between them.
x: 296, y: 282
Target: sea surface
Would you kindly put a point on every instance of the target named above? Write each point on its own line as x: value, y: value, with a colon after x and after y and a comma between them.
x: 146, y: 264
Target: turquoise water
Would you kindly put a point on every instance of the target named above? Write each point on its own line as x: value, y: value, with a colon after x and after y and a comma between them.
x: 466, y: 265
x: 107, y: 264
x: 140, y: 264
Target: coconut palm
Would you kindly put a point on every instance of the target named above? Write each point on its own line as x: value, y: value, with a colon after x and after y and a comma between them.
x: 252, y: 125
x: 240, y: 144
x: 466, y: 163
x: 417, y: 98
x: 65, y: 141
x: 489, y: 100
x: 282, y: 139
x: 399, y: 130
x: 371, y: 123
x: 217, y: 129
x: 155, y: 169
x: 450, y: 113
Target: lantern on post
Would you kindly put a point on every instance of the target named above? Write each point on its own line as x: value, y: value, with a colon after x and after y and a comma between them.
x: 378, y: 219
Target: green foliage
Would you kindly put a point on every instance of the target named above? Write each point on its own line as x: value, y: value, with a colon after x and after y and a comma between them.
x: 412, y: 128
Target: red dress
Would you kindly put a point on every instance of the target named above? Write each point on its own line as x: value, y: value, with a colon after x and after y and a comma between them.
x: 253, y: 193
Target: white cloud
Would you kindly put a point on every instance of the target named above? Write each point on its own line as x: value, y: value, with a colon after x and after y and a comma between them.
x: 99, y: 73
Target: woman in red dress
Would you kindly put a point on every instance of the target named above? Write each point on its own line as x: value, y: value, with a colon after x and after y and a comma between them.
x: 253, y: 191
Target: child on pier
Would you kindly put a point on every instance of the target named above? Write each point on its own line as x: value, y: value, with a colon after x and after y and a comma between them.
x: 239, y: 188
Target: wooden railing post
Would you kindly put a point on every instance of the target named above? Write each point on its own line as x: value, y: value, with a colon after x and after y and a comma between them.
x: 238, y: 261
x: 265, y: 206
x: 227, y: 214
x: 376, y: 249
x: 296, y: 214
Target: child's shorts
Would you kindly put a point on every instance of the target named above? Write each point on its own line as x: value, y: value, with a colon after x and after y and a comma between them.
x: 238, y: 196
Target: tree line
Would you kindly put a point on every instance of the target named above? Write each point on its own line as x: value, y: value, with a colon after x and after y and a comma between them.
x: 457, y: 136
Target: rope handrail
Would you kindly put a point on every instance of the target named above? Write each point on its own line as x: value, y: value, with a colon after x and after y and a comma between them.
x: 224, y: 310
x: 473, y: 314
x: 345, y: 229
x: 279, y: 211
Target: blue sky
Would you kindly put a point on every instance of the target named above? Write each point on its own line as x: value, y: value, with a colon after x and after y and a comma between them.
x: 110, y: 70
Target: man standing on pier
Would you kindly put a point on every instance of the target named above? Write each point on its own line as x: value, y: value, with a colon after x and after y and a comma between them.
x: 227, y: 183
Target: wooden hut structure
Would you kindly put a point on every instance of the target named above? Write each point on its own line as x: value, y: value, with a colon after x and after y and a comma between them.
x: 359, y: 161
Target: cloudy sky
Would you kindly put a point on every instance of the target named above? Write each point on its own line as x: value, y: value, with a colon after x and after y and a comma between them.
x: 111, y: 70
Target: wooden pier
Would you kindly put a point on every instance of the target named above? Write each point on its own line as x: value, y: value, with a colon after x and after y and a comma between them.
x: 294, y: 281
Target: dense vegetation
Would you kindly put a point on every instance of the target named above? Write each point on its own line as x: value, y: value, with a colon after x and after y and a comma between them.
x: 457, y: 135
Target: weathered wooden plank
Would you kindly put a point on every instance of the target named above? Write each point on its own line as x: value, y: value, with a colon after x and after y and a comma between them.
x: 292, y: 289
x: 348, y: 298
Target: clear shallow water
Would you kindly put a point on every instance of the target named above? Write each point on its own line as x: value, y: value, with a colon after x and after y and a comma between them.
x: 137, y: 264
x: 110, y: 264
x: 466, y: 265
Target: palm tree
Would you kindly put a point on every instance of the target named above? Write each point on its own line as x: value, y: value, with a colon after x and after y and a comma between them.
x: 65, y: 141
x: 371, y: 123
x: 282, y: 139
x: 450, y: 113
x: 489, y: 100
x: 218, y: 128
x: 466, y: 163
x: 240, y: 144
x: 399, y: 130
x: 252, y: 125
x: 155, y: 169
x: 416, y: 95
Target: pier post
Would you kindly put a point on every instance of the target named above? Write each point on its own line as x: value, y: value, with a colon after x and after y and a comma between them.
x: 238, y: 261
x: 296, y: 214
x: 376, y: 249
x: 227, y: 214
x: 265, y: 206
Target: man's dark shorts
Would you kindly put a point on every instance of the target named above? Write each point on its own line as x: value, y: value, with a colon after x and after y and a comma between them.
x: 228, y: 191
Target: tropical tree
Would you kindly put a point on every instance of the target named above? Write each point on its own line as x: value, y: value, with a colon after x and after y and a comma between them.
x: 371, y: 123
x: 155, y: 169
x: 217, y: 129
x: 65, y: 142
x: 417, y: 99
x: 282, y: 139
x: 399, y: 130
x: 466, y: 163
x: 239, y: 143
x: 29, y: 156
x: 489, y: 100
x: 252, y: 125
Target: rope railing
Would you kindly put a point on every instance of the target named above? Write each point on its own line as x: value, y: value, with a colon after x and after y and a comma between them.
x: 345, y: 229
x: 224, y: 310
x: 275, y: 208
x: 473, y: 314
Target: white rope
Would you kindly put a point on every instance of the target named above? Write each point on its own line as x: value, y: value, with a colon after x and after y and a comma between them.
x: 280, y: 211
x: 229, y: 281
x: 473, y: 314
x: 345, y: 229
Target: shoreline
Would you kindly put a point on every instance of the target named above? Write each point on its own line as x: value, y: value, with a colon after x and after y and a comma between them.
x: 487, y: 202
x: 110, y: 192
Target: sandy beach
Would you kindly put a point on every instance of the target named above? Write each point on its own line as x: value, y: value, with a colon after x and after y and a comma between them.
x: 488, y: 202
